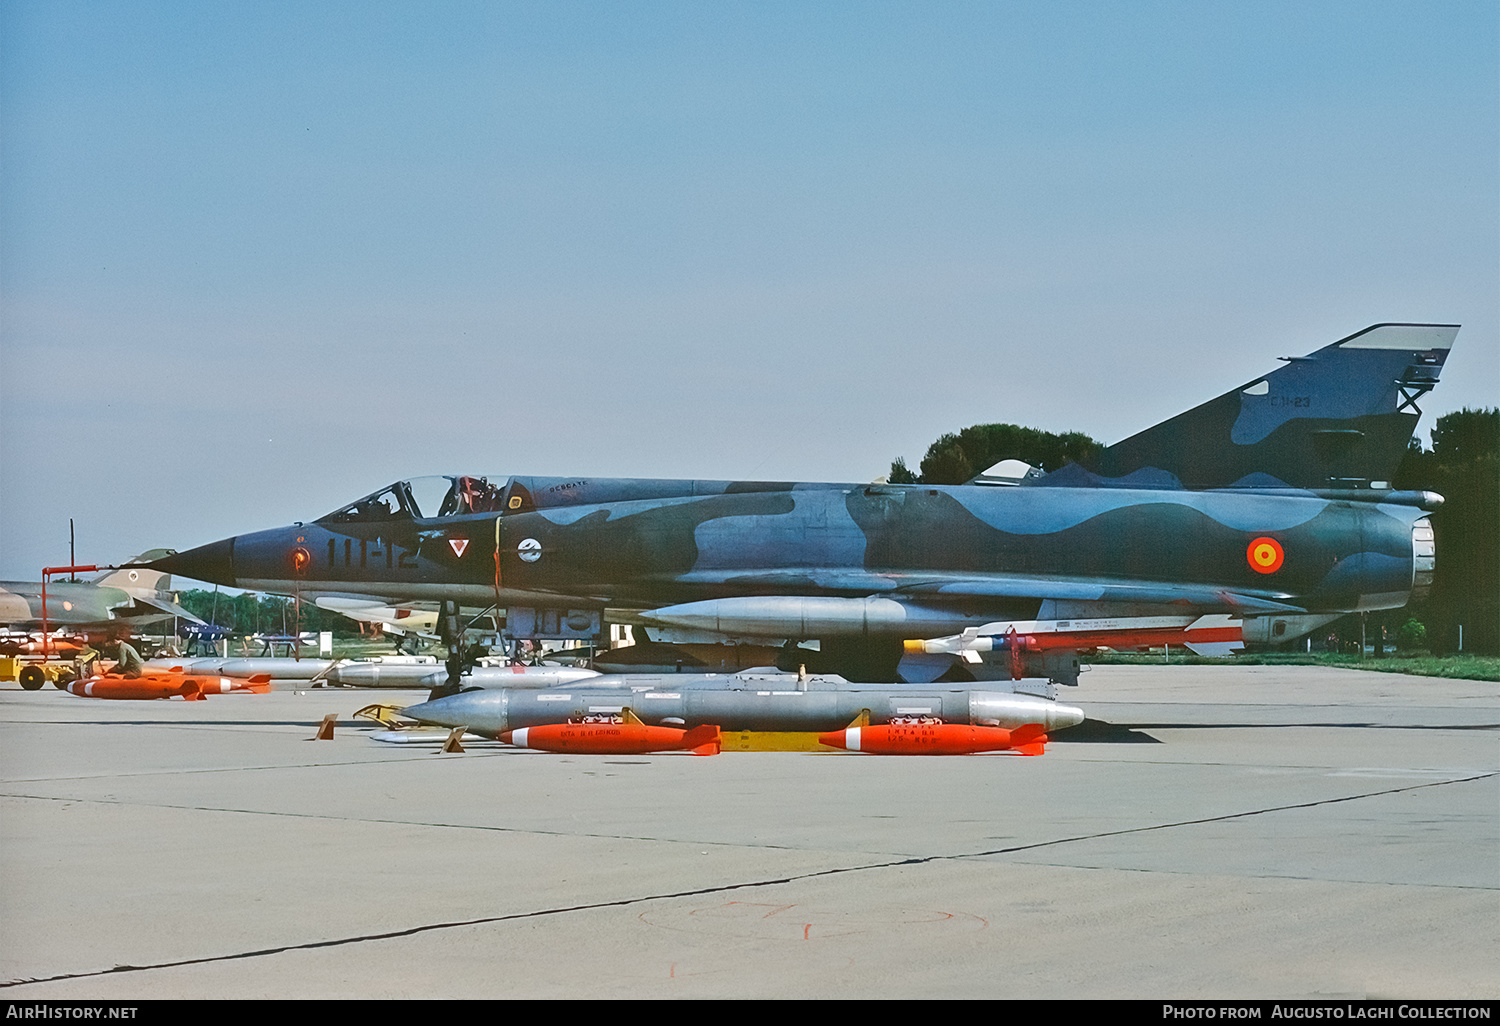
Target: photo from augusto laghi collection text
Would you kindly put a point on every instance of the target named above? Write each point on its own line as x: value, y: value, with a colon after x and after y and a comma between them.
x: 1328, y: 1010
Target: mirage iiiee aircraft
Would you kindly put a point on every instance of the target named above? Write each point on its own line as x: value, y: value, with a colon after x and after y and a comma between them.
x: 1260, y: 514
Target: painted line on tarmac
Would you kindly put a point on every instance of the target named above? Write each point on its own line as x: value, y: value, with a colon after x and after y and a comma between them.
x: 721, y: 888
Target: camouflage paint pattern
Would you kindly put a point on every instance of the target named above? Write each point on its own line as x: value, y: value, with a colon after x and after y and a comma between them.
x: 1272, y: 498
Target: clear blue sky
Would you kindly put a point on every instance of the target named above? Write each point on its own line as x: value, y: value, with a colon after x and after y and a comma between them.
x: 257, y: 259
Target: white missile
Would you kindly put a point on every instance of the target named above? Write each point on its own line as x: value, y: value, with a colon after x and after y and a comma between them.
x: 427, y: 675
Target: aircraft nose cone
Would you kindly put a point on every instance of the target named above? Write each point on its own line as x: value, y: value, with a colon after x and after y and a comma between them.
x: 213, y: 563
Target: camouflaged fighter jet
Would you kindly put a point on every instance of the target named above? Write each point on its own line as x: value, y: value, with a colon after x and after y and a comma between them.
x: 1262, y: 513
x: 115, y: 604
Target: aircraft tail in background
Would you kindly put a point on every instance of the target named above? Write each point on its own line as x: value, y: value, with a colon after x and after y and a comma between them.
x: 135, y: 578
x: 1338, y: 418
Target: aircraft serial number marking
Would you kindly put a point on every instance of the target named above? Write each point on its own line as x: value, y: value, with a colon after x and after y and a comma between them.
x: 407, y: 560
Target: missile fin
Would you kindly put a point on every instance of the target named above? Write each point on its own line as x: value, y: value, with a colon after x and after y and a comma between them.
x: 704, y: 740
x: 1028, y: 733
x: 1030, y: 739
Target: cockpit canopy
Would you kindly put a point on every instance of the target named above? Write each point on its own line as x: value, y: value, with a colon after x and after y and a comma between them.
x: 423, y: 498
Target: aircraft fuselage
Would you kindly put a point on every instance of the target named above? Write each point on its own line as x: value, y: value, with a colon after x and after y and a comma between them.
x: 980, y: 551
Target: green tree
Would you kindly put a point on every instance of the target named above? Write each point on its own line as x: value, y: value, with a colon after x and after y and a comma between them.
x: 956, y: 458
x: 1411, y: 636
x: 1463, y: 466
x: 249, y: 613
x: 900, y: 474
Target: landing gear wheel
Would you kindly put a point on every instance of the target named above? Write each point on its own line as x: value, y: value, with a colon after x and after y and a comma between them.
x: 32, y: 678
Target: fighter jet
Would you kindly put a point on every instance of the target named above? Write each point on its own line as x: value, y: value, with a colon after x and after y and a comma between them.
x: 116, y: 603
x: 1270, y: 505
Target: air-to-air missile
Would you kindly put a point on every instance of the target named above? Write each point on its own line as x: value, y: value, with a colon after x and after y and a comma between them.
x: 428, y: 675
x: 56, y: 646
x: 1021, y: 645
x: 385, y: 674
x: 741, y: 702
x: 243, y: 667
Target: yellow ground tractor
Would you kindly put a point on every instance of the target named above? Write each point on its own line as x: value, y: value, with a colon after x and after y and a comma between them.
x: 33, y: 673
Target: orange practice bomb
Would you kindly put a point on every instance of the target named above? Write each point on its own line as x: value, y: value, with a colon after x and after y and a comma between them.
x: 628, y: 738
x: 928, y: 738
x: 156, y: 685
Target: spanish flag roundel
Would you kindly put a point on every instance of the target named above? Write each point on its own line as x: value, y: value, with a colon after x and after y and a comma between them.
x: 1265, y: 555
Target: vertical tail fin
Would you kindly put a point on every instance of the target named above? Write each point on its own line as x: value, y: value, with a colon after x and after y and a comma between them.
x: 1338, y: 418
x: 138, y: 577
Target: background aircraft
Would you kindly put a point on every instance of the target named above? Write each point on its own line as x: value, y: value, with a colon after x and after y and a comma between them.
x: 115, y: 604
x: 1270, y: 504
x: 407, y: 628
